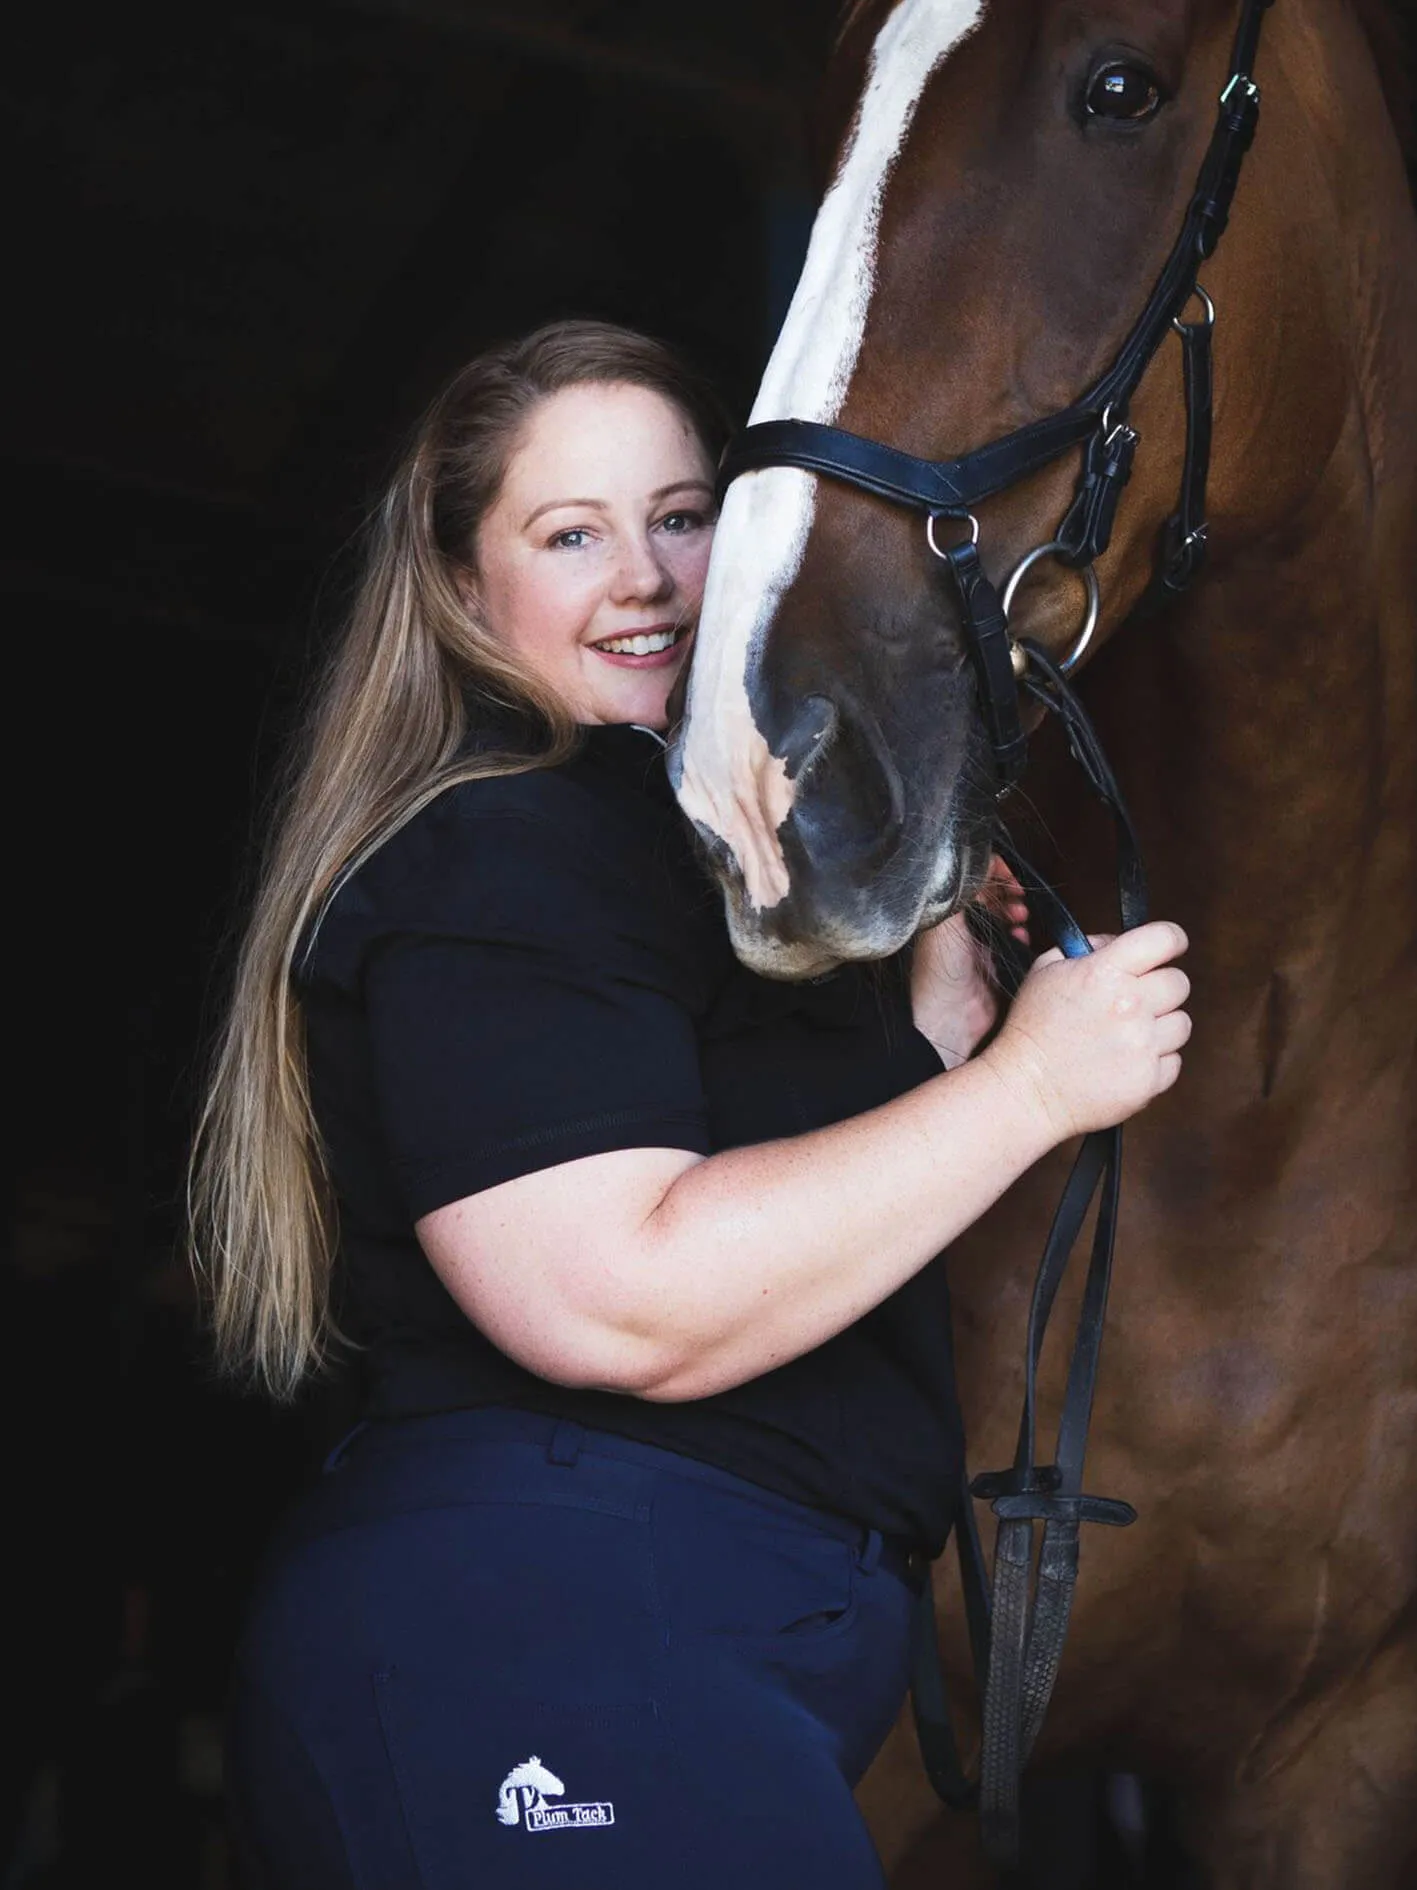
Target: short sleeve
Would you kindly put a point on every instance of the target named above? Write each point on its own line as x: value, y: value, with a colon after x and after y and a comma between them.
x: 526, y: 998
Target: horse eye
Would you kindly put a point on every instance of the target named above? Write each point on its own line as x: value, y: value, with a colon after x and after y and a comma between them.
x: 1120, y: 91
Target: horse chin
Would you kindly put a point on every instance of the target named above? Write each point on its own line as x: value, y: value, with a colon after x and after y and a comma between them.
x: 806, y: 936
x: 940, y: 906
x: 769, y: 943
x: 965, y: 881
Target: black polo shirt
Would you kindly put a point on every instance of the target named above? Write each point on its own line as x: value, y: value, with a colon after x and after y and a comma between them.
x: 536, y: 969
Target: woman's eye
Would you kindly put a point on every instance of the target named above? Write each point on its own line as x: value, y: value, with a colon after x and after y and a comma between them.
x: 571, y: 539
x: 1122, y: 91
x: 681, y: 522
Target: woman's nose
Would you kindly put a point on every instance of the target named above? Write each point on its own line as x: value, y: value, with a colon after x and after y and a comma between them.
x: 641, y: 574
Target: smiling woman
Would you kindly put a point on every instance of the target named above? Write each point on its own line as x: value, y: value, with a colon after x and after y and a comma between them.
x: 463, y: 661
x: 640, y: 1248
x: 597, y: 594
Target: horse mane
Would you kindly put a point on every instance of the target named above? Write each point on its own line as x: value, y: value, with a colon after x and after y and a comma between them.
x: 847, y: 15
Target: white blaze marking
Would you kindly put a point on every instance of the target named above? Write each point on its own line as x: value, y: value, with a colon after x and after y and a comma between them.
x: 730, y: 782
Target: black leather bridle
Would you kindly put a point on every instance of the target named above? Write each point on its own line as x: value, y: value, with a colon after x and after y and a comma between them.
x: 1017, y: 1634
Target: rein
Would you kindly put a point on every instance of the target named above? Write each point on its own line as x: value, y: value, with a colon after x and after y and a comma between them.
x: 1017, y: 1634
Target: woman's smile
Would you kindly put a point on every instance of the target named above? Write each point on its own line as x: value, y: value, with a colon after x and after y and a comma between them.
x: 661, y: 646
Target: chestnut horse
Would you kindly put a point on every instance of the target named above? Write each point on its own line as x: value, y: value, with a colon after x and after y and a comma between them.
x: 1009, y: 179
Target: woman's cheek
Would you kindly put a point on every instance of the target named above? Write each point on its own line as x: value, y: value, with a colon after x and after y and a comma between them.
x: 560, y: 597
x: 691, y: 567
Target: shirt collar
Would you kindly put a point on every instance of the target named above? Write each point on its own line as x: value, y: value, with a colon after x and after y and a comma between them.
x: 631, y: 751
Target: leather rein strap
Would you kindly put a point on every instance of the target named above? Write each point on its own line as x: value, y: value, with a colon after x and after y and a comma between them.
x: 1017, y: 1635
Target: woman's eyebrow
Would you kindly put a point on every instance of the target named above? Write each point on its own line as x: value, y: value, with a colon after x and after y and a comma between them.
x: 552, y: 505
x: 599, y: 505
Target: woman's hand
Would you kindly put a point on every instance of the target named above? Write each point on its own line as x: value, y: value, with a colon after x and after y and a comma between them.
x: 1093, y: 1040
x: 951, y: 992
x: 1002, y: 896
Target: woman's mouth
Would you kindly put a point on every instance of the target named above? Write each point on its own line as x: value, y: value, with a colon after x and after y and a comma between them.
x: 644, y: 649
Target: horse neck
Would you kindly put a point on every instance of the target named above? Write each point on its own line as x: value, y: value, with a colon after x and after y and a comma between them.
x: 1266, y: 731
x: 1274, y: 767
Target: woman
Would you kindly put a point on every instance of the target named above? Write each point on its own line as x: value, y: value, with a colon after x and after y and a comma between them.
x: 616, y: 1579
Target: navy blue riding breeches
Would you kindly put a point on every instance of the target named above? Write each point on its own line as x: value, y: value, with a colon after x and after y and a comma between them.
x: 493, y: 1650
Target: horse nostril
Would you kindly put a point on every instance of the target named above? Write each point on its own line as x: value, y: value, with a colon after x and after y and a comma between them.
x: 850, y: 804
x: 813, y: 724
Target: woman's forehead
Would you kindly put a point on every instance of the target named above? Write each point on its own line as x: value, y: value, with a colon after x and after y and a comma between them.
x: 613, y: 435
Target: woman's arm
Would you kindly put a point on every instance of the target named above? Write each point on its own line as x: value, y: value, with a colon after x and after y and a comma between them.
x: 952, y: 993
x: 670, y: 1276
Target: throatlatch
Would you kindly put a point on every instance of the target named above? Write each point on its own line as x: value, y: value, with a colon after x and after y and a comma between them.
x: 1017, y: 1637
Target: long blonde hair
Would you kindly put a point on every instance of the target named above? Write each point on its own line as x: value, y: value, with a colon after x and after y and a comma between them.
x: 386, y: 732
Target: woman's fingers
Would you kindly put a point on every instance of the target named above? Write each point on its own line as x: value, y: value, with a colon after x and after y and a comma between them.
x: 1173, y: 1032
x: 1002, y: 895
x: 1002, y: 877
x: 1101, y: 1035
x: 1165, y: 989
x: 1147, y: 946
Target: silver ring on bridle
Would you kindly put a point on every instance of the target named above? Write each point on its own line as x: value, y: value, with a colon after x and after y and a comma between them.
x: 1089, y: 578
x: 932, y: 519
x: 1197, y: 290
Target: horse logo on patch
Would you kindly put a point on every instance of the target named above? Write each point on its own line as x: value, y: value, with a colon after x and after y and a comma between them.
x: 522, y: 1800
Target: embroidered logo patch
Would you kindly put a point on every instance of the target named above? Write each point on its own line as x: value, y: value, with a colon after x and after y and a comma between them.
x: 522, y: 1800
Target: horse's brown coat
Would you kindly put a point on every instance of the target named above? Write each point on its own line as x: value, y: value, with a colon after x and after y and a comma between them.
x: 1254, y: 1637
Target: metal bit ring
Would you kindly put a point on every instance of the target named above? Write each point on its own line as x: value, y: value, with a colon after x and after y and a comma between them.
x: 1089, y: 578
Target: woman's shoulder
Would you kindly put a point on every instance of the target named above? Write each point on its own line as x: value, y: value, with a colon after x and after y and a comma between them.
x: 543, y: 814
x: 512, y: 857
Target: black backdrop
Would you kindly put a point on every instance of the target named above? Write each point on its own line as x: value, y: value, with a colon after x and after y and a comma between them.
x: 245, y: 244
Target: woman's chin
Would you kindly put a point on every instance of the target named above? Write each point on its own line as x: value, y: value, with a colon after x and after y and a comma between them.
x: 635, y: 695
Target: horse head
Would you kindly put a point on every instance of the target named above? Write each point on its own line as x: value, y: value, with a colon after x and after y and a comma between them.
x: 524, y: 1788
x: 1008, y: 185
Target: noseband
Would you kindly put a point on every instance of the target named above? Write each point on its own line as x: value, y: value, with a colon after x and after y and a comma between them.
x: 1017, y: 1633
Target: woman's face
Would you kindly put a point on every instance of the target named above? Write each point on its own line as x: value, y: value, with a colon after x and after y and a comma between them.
x: 591, y: 563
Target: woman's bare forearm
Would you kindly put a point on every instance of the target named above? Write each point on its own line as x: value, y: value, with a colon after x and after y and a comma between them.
x: 762, y: 1253
x: 669, y: 1275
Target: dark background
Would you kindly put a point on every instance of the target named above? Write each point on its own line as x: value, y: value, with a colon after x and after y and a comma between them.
x: 245, y: 244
